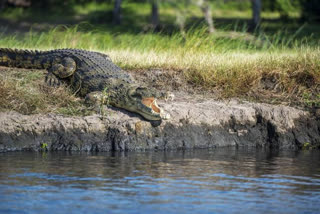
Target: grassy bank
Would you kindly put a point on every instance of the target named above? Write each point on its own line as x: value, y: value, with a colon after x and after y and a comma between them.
x: 290, y: 75
x: 276, y: 64
x: 233, y: 62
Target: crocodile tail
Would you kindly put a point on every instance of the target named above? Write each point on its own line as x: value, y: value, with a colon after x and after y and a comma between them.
x: 21, y: 58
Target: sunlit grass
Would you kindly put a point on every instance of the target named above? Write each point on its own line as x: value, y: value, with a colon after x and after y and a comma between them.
x: 235, y: 73
x: 232, y: 61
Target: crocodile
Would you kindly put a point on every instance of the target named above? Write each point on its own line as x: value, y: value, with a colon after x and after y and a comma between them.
x: 91, y: 75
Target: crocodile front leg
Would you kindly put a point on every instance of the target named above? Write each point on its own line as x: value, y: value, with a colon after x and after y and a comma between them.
x: 96, y: 98
x: 60, y: 70
x: 98, y: 101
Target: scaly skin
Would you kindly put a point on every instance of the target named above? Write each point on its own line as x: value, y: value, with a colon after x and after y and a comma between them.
x: 89, y: 74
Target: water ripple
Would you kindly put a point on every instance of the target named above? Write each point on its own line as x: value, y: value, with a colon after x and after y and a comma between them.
x: 204, y: 182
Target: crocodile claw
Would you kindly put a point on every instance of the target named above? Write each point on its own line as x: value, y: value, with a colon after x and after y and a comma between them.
x: 169, y: 96
x: 52, y: 80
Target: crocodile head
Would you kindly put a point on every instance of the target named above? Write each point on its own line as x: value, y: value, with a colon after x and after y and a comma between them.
x: 140, y: 100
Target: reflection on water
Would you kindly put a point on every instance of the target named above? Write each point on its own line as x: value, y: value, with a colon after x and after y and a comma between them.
x: 217, y: 181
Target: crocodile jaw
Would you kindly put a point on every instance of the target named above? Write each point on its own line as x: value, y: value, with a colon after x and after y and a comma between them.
x: 154, y: 109
x: 139, y: 100
x: 147, y: 108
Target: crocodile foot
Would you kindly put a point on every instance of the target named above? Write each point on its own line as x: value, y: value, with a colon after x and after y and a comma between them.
x: 168, y: 96
x: 52, y: 80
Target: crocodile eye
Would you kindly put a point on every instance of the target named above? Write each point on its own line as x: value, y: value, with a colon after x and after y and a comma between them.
x: 139, y: 92
x: 137, y: 96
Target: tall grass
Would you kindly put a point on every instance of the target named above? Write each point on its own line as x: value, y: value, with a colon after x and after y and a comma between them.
x: 195, y: 40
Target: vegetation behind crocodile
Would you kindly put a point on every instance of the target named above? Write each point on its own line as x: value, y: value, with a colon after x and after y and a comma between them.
x: 89, y: 74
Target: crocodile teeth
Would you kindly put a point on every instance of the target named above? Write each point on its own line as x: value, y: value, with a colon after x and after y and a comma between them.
x: 152, y: 103
x: 155, y: 106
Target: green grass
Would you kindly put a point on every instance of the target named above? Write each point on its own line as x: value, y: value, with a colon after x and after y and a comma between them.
x: 195, y: 40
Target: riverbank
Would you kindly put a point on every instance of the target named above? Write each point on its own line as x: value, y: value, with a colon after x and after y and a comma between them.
x: 194, y: 124
x: 46, y: 118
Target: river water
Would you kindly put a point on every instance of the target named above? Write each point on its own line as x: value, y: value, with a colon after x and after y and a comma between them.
x: 200, y: 181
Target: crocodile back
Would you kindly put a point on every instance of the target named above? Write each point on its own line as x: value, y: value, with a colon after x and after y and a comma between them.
x: 95, y: 71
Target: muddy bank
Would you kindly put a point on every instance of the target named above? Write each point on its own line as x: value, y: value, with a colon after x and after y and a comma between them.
x: 194, y: 124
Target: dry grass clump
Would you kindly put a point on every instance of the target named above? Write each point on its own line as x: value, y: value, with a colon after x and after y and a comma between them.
x: 24, y: 91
